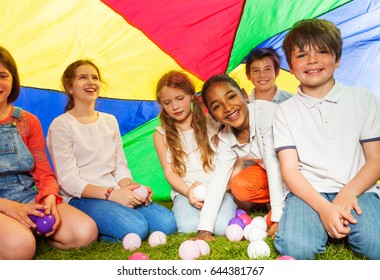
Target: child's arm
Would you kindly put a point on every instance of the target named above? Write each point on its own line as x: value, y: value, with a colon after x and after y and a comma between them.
x: 175, y: 181
x: 364, y: 179
x: 332, y: 216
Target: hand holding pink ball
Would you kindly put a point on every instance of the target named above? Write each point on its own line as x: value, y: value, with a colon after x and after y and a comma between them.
x: 142, y: 191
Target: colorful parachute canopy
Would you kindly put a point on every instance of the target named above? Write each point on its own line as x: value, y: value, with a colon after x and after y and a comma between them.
x: 135, y: 42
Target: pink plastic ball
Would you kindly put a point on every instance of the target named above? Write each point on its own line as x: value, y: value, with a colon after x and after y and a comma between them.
x: 246, y: 219
x: 234, y: 232
x: 142, y: 191
x: 203, y: 247
x: 139, y: 256
x: 286, y: 258
x: 157, y: 238
x: 189, y: 250
x: 131, y: 241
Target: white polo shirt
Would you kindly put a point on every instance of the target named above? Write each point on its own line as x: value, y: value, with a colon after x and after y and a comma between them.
x: 328, y: 133
x: 279, y: 97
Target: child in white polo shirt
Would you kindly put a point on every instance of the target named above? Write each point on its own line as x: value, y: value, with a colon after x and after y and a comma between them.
x: 328, y: 142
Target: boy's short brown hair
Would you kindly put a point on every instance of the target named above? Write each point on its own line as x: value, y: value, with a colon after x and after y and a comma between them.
x: 319, y: 33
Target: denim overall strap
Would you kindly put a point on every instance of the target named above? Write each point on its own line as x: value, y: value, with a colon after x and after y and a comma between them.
x: 16, y: 162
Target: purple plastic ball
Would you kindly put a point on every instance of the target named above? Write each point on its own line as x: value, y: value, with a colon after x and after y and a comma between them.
x: 236, y: 221
x: 45, y: 224
x: 239, y: 212
x: 34, y: 218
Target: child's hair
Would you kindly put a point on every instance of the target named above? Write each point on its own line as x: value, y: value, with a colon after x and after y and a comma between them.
x: 261, y: 53
x: 178, y: 80
x: 7, y: 60
x: 220, y: 78
x: 319, y: 33
x: 69, y: 76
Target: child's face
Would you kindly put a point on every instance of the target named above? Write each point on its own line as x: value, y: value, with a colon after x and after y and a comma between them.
x: 6, y: 80
x: 227, y: 105
x: 262, y: 74
x: 176, y: 103
x: 314, y: 68
x: 86, y: 84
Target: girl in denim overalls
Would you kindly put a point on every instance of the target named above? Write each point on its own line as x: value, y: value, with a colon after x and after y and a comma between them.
x: 24, y: 167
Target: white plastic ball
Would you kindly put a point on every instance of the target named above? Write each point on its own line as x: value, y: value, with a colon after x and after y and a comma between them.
x: 258, y: 249
x: 260, y: 222
x: 234, y: 232
x: 157, y: 238
x: 131, y: 241
x: 203, y: 247
x: 246, y: 230
x: 199, y: 192
x: 189, y: 250
x: 256, y: 233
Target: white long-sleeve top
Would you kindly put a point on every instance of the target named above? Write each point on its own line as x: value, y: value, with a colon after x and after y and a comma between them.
x: 85, y: 154
x: 260, y: 149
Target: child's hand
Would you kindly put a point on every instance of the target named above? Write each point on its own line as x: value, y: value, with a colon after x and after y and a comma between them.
x: 272, y: 230
x: 347, y: 201
x: 197, y: 203
x: 204, y: 235
x: 51, y: 208
x: 21, y: 212
x: 333, y: 218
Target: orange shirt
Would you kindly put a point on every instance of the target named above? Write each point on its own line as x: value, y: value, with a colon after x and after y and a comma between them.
x: 30, y: 130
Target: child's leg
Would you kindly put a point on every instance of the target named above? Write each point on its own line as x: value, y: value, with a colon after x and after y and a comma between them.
x: 364, y: 236
x: 159, y: 218
x: 300, y: 233
x: 17, y: 242
x: 226, y: 212
x: 113, y: 220
x: 250, y: 187
x: 75, y: 230
x: 186, y: 215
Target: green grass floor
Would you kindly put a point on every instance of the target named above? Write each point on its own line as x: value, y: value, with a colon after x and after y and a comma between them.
x: 221, y: 249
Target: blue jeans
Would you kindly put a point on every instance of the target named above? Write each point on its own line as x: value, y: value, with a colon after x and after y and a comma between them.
x: 115, y: 220
x: 301, y: 234
x: 187, y: 216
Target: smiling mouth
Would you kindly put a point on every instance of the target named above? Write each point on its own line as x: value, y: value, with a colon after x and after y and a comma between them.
x: 234, y: 116
x: 313, y: 71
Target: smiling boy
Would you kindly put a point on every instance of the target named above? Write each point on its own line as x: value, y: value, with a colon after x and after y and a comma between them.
x: 328, y: 142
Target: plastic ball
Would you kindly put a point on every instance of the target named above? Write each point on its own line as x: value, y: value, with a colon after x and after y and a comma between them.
x: 236, y: 221
x: 246, y: 219
x: 189, y: 250
x: 34, y: 218
x: 45, y: 224
x: 157, y: 238
x: 203, y: 247
x: 256, y: 233
x: 234, y: 232
x: 286, y: 258
x: 138, y: 256
x: 246, y: 230
x: 258, y: 249
x: 131, y: 241
x: 142, y: 191
x: 239, y: 212
x: 260, y: 222
x: 199, y: 192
